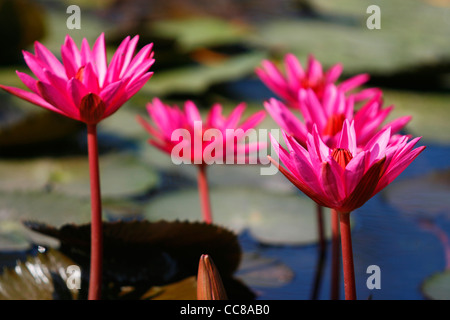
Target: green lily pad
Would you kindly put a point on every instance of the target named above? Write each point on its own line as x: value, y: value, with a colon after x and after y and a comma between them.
x: 121, y: 175
x: 198, y: 78
x: 437, y: 287
x: 430, y: 113
x: 270, y: 217
x: 424, y: 195
x: 200, y: 32
x: 56, y: 209
x: 12, y: 236
x: 260, y: 271
x: 50, y: 207
x: 412, y: 33
x: 142, y: 254
x: 40, y: 277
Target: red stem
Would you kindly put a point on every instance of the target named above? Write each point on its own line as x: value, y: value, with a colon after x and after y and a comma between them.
x: 96, y: 216
x: 347, y: 256
x: 335, y: 255
x: 204, y: 193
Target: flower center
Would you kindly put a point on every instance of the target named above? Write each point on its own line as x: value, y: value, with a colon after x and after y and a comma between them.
x: 80, y: 74
x: 342, y: 156
x: 334, y: 124
x: 92, y: 108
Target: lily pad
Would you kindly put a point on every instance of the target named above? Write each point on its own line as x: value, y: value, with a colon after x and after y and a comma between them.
x: 430, y: 113
x: 56, y: 209
x: 121, y: 175
x: 142, y: 254
x: 437, y: 287
x: 424, y: 195
x: 271, y: 217
x: 412, y: 34
x: 12, y: 236
x: 260, y: 271
x: 197, y: 79
x: 41, y: 277
x: 48, y: 207
x: 200, y: 32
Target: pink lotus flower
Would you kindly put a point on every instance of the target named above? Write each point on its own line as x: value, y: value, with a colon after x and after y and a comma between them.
x: 184, y: 135
x: 329, y: 113
x: 344, y: 177
x: 84, y: 87
x: 287, y: 85
x: 194, y: 143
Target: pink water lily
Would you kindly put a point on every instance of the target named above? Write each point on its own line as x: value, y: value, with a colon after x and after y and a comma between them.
x: 345, y: 177
x: 84, y: 86
x: 329, y: 113
x: 184, y: 135
x: 286, y: 85
x: 201, y: 148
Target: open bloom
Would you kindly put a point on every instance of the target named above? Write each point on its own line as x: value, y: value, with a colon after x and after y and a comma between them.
x: 344, y: 178
x: 184, y: 135
x: 83, y: 86
x: 287, y: 85
x: 329, y: 113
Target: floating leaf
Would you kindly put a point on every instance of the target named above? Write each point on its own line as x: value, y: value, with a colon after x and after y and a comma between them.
x: 122, y: 175
x: 430, y: 113
x: 48, y: 207
x: 12, y: 236
x: 423, y: 195
x: 437, y: 287
x: 41, y: 277
x: 260, y: 271
x: 51, y: 208
x: 197, y: 79
x: 272, y: 218
x: 142, y: 254
x: 193, y: 33
x: 412, y: 34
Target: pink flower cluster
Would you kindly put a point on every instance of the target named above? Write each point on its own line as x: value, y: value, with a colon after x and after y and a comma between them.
x: 340, y: 152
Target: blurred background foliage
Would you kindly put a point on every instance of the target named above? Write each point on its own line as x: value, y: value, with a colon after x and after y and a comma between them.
x: 207, y: 51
